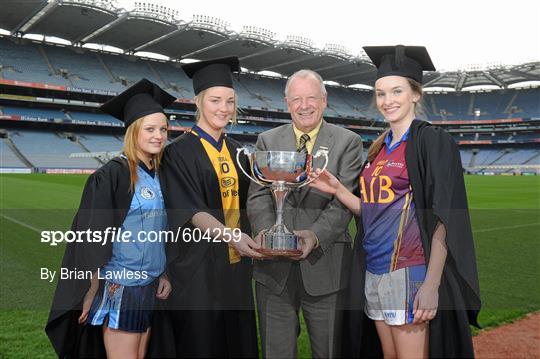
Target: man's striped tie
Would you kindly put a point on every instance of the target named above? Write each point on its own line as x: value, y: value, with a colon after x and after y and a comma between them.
x: 302, y: 145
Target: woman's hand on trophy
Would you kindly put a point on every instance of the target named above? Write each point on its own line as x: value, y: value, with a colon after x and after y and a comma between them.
x: 260, y: 241
x: 307, y: 241
x: 246, y: 247
x: 324, y: 181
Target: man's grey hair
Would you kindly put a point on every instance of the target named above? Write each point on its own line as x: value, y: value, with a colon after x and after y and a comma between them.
x: 304, y: 73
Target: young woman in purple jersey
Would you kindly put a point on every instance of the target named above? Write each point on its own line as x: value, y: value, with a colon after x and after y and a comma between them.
x: 414, y: 255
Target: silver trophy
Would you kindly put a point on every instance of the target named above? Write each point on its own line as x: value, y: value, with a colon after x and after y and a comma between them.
x: 281, y: 171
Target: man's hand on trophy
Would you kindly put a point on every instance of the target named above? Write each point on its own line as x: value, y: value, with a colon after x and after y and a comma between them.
x: 246, y: 247
x: 307, y: 241
x: 324, y: 181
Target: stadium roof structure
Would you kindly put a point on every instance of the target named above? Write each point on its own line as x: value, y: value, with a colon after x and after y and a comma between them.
x: 157, y: 29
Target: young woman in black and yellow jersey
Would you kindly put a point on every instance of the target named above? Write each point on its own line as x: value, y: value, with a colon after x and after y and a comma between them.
x: 211, y: 312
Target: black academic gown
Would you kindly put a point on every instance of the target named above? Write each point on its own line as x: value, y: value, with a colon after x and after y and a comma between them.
x: 210, y: 312
x: 436, y: 175
x: 105, y: 202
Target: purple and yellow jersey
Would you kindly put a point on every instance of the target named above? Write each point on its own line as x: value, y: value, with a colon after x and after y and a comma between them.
x: 391, y: 233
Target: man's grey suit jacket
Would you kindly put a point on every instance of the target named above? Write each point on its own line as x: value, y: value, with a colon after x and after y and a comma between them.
x: 326, y: 269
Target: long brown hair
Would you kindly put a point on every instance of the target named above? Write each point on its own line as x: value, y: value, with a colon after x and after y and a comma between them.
x: 376, y: 146
x: 131, y: 150
x: 199, y: 102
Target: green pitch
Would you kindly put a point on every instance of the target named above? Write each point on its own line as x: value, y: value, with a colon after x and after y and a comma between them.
x: 505, y: 215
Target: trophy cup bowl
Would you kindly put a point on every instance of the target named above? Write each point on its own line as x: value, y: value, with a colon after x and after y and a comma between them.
x: 281, y: 171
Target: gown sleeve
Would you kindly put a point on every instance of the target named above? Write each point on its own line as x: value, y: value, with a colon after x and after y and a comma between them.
x: 449, y: 205
x: 97, y: 211
x: 182, y: 185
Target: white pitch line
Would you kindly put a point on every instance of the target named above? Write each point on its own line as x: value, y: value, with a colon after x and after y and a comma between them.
x: 506, y: 227
x: 21, y: 223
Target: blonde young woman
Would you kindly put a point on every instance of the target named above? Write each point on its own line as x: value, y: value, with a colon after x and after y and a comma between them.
x: 211, y: 313
x: 415, y: 261
x: 108, y: 311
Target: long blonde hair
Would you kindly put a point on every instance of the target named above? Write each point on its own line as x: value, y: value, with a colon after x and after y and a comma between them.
x: 199, y: 102
x: 131, y: 150
x: 376, y: 146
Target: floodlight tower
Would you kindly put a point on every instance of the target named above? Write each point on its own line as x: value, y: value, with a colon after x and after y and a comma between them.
x: 156, y: 11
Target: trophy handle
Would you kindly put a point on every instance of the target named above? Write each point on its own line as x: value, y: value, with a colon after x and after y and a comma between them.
x: 238, y: 151
x: 319, y: 153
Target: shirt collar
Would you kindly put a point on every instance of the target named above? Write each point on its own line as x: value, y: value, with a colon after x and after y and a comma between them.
x: 312, y: 134
x: 218, y: 145
x: 389, y: 137
x: 151, y: 172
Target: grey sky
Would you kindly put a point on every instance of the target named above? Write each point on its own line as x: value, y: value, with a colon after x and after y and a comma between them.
x: 457, y: 33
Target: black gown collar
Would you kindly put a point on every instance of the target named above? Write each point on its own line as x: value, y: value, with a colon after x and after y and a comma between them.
x: 218, y: 145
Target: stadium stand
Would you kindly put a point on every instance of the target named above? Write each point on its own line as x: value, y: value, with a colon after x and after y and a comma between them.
x: 50, y: 150
x: 27, y: 63
x: 497, y: 104
x: 99, y: 143
x: 83, y: 69
x: 526, y: 104
x: 46, y: 88
x: 9, y: 158
x: 129, y: 69
x: 177, y: 82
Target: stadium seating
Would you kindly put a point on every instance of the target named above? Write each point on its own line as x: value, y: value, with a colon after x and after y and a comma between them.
x: 516, y: 157
x: 100, y: 143
x: 87, y: 69
x: 84, y: 69
x: 105, y: 72
x: 466, y: 156
x: 8, y: 158
x: 32, y: 145
x: 488, y: 156
x: 250, y: 98
x: 26, y: 63
x: 490, y: 105
x: 527, y: 103
x: 178, y: 84
x: 130, y: 68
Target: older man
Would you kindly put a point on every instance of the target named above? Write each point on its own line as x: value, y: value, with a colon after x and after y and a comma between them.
x: 315, y: 281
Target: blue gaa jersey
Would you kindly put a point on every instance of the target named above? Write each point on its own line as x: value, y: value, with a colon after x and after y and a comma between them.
x: 138, y: 261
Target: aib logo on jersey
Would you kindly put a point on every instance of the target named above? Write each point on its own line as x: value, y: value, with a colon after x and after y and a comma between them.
x: 147, y: 193
x: 227, y: 182
x: 380, y: 186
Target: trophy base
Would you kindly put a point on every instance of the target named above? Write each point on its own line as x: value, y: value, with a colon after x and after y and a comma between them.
x: 279, y: 252
x: 280, y: 245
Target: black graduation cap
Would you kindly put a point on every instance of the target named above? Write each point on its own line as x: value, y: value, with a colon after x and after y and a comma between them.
x: 210, y: 73
x: 141, y: 99
x: 399, y: 60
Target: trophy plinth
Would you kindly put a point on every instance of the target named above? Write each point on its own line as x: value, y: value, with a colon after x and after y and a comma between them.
x: 281, y: 171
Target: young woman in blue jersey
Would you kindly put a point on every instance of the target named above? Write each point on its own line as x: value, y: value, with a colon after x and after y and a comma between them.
x: 414, y: 254
x: 114, y: 307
